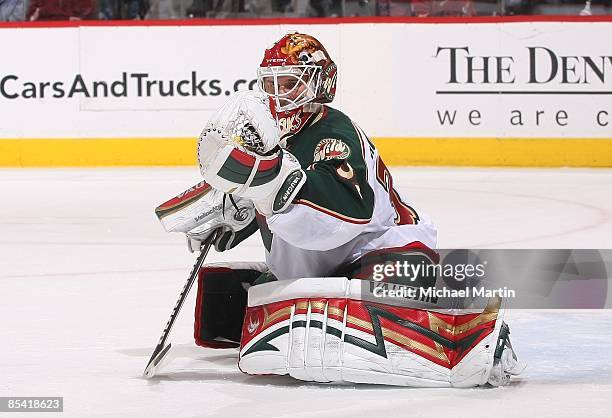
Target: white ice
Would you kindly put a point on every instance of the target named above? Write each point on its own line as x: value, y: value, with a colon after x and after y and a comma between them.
x: 88, y: 279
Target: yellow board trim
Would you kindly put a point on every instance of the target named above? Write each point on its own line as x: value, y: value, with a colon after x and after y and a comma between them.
x: 500, y: 152
x: 97, y: 152
x: 504, y: 152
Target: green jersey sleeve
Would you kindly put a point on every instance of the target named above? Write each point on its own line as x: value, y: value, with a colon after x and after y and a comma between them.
x: 336, y: 171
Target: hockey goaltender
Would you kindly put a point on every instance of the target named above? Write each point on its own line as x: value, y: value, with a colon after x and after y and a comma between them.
x: 283, y: 162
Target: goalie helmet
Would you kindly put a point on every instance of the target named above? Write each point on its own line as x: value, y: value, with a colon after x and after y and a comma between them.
x: 295, y: 71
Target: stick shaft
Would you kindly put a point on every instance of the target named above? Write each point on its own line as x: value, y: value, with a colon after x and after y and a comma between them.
x: 179, y: 303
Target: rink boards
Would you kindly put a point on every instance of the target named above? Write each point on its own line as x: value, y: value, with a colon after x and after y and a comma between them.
x: 499, y: 92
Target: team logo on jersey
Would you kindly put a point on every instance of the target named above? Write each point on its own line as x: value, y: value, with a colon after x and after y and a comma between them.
x: 330, y: 148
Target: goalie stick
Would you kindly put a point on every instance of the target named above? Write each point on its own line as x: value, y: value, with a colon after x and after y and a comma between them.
x: 161, y: 349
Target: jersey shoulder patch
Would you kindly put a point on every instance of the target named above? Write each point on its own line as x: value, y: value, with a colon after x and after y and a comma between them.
x: 331, y: 148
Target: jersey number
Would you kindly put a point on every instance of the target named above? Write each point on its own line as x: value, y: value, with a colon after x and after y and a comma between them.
x: 404, y: 214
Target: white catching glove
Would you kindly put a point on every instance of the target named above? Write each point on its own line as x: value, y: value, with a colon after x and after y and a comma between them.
x: 246, y: 119
x: 238, y: 154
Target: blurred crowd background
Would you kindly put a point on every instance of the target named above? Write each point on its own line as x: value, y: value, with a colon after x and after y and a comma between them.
x: 31, y: 10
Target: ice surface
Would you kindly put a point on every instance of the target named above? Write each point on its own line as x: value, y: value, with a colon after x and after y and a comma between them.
x: 88, y: 279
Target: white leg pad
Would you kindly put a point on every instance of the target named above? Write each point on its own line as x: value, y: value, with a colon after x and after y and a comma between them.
x: 320, y: 330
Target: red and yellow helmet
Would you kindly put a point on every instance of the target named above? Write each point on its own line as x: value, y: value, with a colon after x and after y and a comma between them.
x: 297, y: 70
